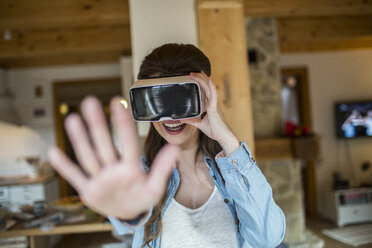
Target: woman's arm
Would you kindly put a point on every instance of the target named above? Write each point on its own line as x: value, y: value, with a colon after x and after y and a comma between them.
x: 262, y: 222
x: 129, y: 226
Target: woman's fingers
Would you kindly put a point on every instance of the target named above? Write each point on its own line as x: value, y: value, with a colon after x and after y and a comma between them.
x: 161, y: 168
x: 196, y: 122
x: 208, y: 86
x: 97, y: 124
x: 126, y: 131
x: 81, y: 144
x: 204, y: 75
x: 213, y: 99
x: 202, y: 82
x: 67, y: 169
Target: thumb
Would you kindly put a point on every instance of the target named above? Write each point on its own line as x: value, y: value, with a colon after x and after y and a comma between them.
x: 194, y: 121
x: 161, y: 168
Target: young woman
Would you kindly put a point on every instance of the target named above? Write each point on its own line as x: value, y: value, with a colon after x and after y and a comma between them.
x: 197, y: 186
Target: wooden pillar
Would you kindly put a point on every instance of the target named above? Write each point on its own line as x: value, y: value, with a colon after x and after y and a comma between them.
x: 222, y: 38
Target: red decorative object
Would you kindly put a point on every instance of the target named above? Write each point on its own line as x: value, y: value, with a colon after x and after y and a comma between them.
x: 292, y: 129
x: 289, y: 128
x: 305, y: 131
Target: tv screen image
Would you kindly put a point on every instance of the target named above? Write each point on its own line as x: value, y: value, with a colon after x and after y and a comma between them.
x: 354, y: 119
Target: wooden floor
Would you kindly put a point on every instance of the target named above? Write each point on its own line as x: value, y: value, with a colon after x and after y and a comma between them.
x: 88, y: 240
x: 95, y: 240
x: 317, y: 225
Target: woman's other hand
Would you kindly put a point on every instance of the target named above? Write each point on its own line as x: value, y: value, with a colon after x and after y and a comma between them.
x: 107, y: 183
x: 213, y: 124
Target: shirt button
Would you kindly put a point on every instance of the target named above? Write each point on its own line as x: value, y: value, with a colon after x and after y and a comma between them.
x: 226, y: 200
x: 234, y: 162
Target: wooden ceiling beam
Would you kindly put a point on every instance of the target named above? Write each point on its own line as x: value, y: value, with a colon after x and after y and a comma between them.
x: 34, y: 43
x: 87, y: 31
x: 325, y: 33
x: 63, y: 59
x: 300, y: 8
x: 37, y: 14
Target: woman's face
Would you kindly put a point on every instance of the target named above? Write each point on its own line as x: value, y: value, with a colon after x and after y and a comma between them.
x: 177, y: 133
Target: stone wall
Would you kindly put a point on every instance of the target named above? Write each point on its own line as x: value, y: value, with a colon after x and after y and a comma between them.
x: 262, y: 39
x: 284, y: 177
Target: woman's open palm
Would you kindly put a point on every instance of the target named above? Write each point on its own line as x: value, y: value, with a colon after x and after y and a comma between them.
x: 107, y: 183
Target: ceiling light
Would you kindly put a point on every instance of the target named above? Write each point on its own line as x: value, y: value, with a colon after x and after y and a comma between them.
x: 7, y: 35
x: 63, y: 108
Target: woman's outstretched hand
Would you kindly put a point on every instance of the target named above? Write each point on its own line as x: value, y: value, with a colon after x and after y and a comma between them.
x: 213, y: 124
x: 107, y: 183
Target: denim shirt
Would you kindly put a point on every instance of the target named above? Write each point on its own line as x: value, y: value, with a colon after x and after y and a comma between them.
x: 259, y: 221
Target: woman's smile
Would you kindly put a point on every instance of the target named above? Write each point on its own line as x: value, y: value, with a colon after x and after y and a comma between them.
x: 173, y: 128
x: 176, y: 132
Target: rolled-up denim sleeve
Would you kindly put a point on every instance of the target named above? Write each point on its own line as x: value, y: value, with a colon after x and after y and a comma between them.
x: 261, y: 221
x: 129, y: 227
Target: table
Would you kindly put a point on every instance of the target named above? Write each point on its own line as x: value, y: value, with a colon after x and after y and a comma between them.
x: 33, y: 233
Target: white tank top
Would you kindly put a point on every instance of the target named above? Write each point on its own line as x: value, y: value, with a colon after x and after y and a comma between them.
x: 211, y: 225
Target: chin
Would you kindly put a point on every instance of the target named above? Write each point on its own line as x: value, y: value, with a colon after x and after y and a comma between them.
x: 175, y: 142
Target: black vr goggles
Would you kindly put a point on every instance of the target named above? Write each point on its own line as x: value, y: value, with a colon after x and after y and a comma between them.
x: 166, y: 98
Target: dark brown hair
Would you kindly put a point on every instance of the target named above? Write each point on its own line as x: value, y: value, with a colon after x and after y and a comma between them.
x: 172, y: 59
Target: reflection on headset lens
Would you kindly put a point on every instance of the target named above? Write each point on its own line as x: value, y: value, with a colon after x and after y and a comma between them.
x: 177, y: 101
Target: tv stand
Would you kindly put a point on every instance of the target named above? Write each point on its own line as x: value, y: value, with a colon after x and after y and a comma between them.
x: 348, y: 206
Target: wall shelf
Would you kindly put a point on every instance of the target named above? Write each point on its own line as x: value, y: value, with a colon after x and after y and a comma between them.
x: 302, y: 147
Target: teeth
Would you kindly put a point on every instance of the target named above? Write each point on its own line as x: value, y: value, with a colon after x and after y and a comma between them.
x: 173, y: 125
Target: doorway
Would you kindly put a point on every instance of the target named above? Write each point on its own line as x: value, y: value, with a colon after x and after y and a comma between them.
x: 67, y: 97
x: 296, y: 111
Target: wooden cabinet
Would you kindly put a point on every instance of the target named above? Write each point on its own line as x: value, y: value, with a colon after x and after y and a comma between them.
x: 306, y: 147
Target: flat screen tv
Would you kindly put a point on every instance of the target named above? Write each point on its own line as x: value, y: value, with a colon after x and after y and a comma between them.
x: 353, y: 119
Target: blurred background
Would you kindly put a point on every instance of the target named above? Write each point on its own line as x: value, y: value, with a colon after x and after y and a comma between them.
x: 281, y: 68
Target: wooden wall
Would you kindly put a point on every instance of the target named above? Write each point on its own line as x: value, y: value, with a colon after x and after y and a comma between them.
x: 318, y: 25
x: 42, y: 32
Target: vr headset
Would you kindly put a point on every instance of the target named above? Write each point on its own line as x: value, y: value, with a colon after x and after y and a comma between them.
x: 166, y: 98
